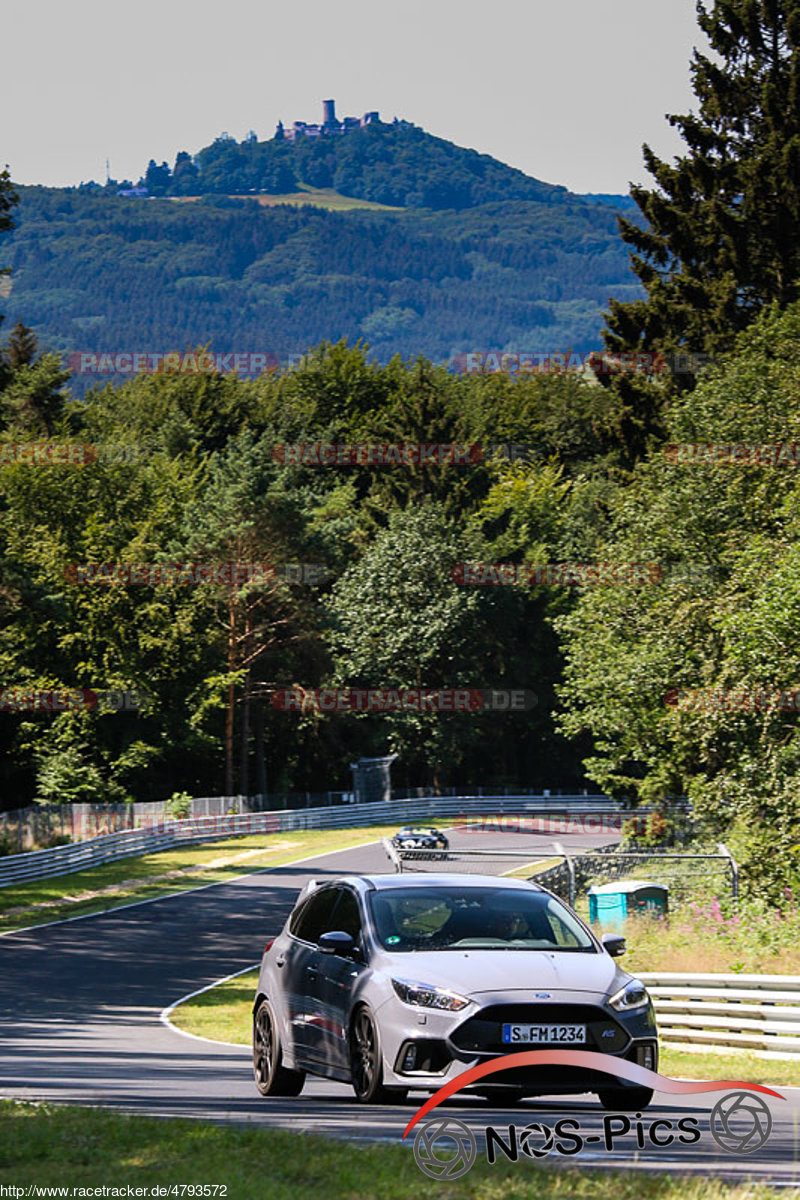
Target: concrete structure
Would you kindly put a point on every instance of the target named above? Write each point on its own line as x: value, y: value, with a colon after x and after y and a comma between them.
x: 330, y: 126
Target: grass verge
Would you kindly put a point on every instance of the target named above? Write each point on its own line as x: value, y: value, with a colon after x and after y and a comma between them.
x: 747, y: 1068
x: 100, y: 889
x: 319, y: 197
x: 754, y: 941
x: 86, y: 1147
x: 224, y: 1014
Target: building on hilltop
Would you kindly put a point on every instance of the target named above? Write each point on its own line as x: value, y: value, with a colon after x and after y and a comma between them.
x: 330, y: 126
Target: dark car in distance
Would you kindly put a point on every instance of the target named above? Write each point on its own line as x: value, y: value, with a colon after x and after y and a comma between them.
x: 414, y: 838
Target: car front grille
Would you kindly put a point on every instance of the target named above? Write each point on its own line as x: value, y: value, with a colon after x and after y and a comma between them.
x: 483, y: 1032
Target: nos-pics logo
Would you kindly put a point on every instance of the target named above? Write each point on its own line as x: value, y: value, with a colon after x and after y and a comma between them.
x: 445, y: 1148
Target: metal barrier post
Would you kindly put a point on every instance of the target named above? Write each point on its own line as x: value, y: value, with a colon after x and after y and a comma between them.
x: 571, y: 868
x: 723, y: 849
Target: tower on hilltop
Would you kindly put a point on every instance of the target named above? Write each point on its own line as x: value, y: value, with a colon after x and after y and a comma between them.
x: 331, y: 125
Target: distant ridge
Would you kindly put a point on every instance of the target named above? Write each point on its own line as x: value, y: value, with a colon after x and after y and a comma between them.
x: 397, y: 164
x: 612, y: 199
x: 388, y: 235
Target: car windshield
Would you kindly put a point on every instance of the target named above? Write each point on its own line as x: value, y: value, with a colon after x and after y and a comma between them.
x: 475, y: 918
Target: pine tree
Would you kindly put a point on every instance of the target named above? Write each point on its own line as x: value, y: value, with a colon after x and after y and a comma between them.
x: 722, y: 228
x: 32, y: 398
x: 22, y: 346
x: 157, y: 179
x: 8, y: 198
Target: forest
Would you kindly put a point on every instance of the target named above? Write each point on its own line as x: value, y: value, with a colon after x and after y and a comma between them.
x: 191, y: 468
x: 106, y: 273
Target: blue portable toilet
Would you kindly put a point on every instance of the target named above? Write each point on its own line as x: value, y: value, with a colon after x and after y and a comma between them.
x: 611, y: 903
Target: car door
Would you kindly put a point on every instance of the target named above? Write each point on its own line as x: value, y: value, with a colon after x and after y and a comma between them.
x: 300, y: 966
x: 337, y: 977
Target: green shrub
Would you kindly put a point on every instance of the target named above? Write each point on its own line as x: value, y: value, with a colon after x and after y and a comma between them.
x: 179, y: 805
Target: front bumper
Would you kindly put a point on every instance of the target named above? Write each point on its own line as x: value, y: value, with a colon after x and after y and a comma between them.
x: 425, y: 1049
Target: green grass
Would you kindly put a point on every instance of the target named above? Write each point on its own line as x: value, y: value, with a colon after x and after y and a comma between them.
x: 222, y: 1013
x: 535, y: 867
x: 756, y: 941
x: 319, y: 197
x: 87, y: 1147
x: 100, y: 889
x: 703, y: 1064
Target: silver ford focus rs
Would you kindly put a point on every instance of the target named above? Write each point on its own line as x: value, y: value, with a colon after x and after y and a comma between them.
x: 392, y: 982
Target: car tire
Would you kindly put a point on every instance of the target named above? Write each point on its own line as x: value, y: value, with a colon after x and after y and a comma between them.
x: 366, y: 1065
x: 625, y: 1099
x: 272, y: 1078
x: 501, y: 1096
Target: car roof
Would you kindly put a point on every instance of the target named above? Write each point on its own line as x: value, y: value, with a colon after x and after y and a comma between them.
x: 432, y: 879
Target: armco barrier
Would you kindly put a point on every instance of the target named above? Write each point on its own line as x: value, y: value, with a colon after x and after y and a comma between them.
x: 39, y: 825
x: 64, y: 860
x: 759, y: 1013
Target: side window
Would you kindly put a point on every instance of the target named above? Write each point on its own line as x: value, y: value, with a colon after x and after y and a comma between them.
x: 563, y: 931
x: 313, y: 918
x: 346, y: 915
x: 297, y: 916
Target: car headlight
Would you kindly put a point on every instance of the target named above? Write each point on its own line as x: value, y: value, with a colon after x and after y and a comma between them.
x: 425, y: 995
x: 632, y: 995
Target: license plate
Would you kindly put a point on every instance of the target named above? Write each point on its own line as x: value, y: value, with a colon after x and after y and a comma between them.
x: 544, y: 1035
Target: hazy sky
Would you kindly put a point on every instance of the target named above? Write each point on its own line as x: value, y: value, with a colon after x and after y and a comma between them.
x: 567, y: 90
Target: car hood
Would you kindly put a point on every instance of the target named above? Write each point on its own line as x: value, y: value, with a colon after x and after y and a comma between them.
x: 479, y: 972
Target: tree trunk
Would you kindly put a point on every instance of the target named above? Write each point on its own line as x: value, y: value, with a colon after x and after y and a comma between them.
x: 261, y: 762
x: 231, y: 699
x: 244, y: 772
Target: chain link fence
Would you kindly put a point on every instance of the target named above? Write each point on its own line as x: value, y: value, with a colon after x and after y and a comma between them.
x: 686, y: 874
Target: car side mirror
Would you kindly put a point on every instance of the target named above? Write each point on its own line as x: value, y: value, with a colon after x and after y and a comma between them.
x: 614, y: 944
x: 336, y: 942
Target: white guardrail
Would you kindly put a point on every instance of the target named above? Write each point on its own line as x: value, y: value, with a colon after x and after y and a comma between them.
x: 64, y: 860
x: 759, y: 1013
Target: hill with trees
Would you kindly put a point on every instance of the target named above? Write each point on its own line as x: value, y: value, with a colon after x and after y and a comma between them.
x: 185, y: 470
x: 95, y: 271
x: 398, y: 164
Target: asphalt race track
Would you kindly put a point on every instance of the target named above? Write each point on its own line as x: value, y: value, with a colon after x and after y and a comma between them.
x: 79, y: 1019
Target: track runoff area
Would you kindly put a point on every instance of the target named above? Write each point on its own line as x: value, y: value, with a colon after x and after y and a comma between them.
x: 81, y: 1005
